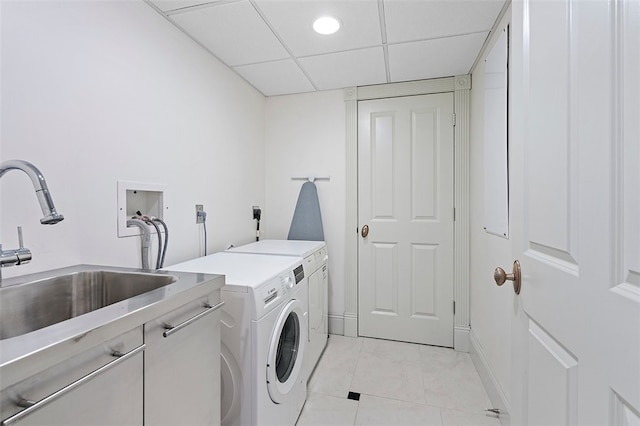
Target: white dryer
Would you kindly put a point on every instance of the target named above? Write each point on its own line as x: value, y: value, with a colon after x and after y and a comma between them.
x: 314, y: 255
x: 264, y: 336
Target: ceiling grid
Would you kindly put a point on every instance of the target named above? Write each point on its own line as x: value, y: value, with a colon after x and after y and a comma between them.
x: 383, y: 33
x: 271, y: 43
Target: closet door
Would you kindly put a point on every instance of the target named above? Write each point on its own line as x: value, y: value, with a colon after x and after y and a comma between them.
x: 405, y: 204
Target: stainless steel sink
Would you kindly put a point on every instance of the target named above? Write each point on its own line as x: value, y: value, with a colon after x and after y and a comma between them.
x: 37, y: 304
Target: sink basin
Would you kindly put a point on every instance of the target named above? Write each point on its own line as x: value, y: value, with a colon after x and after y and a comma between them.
x: 37, y: 304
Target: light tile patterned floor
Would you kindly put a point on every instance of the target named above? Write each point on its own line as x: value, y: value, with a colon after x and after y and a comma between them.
x: 400, y: 384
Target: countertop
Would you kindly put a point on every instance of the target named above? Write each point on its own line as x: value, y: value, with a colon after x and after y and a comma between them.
x: 28, y: 354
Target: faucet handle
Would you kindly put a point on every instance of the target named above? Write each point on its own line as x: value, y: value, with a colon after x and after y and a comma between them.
x: 20, y: 242
x: 23, y: 255
x: 18, y: 256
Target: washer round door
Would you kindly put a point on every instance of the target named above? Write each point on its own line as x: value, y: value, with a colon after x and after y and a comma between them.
x: 286, y: 351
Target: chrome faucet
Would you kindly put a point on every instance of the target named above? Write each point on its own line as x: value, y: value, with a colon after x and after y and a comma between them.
x: 22, y: 255
x: 51, y: 216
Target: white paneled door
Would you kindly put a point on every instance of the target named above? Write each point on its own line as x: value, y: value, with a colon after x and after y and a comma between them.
x: 575, y: 212
x: 405, y: 209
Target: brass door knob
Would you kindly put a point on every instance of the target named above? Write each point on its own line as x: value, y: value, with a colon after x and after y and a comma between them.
x: 501, y: 276
x: 365, y: 231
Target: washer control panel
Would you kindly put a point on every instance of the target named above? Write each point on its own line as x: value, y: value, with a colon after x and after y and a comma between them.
x: 271, y: 293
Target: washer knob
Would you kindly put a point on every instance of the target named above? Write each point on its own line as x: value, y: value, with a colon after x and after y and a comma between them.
x: 288, y: 282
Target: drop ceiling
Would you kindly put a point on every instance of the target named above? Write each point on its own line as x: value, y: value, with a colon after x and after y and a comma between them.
x: 272, y: 45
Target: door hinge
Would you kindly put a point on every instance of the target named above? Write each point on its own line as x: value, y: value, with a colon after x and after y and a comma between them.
x: 454, y: 307
x: 454, y: 119
x: 454, y: 214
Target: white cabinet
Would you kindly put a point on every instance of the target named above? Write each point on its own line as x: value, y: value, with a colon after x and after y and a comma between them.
x: 182, y: 365
x: 102, y: 386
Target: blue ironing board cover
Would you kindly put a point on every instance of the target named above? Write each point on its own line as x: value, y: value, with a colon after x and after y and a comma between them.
x: 307, y: 220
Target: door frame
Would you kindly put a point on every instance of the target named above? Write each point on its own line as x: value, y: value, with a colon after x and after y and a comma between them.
x: 460, y: 86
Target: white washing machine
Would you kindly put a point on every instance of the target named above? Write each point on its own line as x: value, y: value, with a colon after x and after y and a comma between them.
x: 264, y: 336
x: 314, y: 255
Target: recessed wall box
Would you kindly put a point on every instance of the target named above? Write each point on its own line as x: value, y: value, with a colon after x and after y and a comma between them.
x: 146, y: 198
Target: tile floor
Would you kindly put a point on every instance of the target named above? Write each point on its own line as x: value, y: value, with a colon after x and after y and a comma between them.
x: 399, y: 384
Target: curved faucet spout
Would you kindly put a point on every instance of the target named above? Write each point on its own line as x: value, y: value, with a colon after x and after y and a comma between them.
x: 51, y: 216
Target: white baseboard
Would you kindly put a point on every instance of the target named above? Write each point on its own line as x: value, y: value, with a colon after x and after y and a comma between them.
x: 350, y: 325
x: 461, y: 339
x: 336, y: 324
x: 496, y: 394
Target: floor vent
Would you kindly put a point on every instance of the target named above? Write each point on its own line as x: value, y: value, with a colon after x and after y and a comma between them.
x: 354, y: 395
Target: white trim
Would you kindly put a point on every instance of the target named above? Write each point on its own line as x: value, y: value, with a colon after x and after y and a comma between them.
x: 460, y: 86
x: 351, y: 325
x: 351, y: 190
x: 496, y: 394
x: 461, y: 202
x: 461, y: 339
x: 336, y: 324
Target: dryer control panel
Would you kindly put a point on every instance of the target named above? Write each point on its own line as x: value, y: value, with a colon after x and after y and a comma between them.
x: 314, y: 261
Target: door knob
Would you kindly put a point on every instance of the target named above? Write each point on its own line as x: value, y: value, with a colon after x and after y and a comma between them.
x: 365, y: 231
x: 501, y: 276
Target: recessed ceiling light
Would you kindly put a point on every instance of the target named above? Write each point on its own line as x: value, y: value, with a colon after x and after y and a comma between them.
x: 326, y: 25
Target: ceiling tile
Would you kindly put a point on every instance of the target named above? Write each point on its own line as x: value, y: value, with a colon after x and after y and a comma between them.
x: 345, y: 69
x: 167, y: 5
x: 410, y: 20
x: 234, y: 32
x: 272, y: 45
x: 276, y: 78
x: 292, y: 20
x: 434, y: 58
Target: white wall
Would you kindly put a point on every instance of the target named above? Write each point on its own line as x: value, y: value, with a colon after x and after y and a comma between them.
x: 94, y: 92
x: 490, y: 305
x: 305, y: 135
x: 99, y: 91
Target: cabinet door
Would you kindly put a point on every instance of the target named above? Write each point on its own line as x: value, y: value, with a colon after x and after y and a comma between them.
x: 94, y: 388
x: 182, y: 370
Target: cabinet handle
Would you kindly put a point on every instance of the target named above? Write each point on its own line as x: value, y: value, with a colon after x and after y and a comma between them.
x: 33, y: 406
x: 170, y: 329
